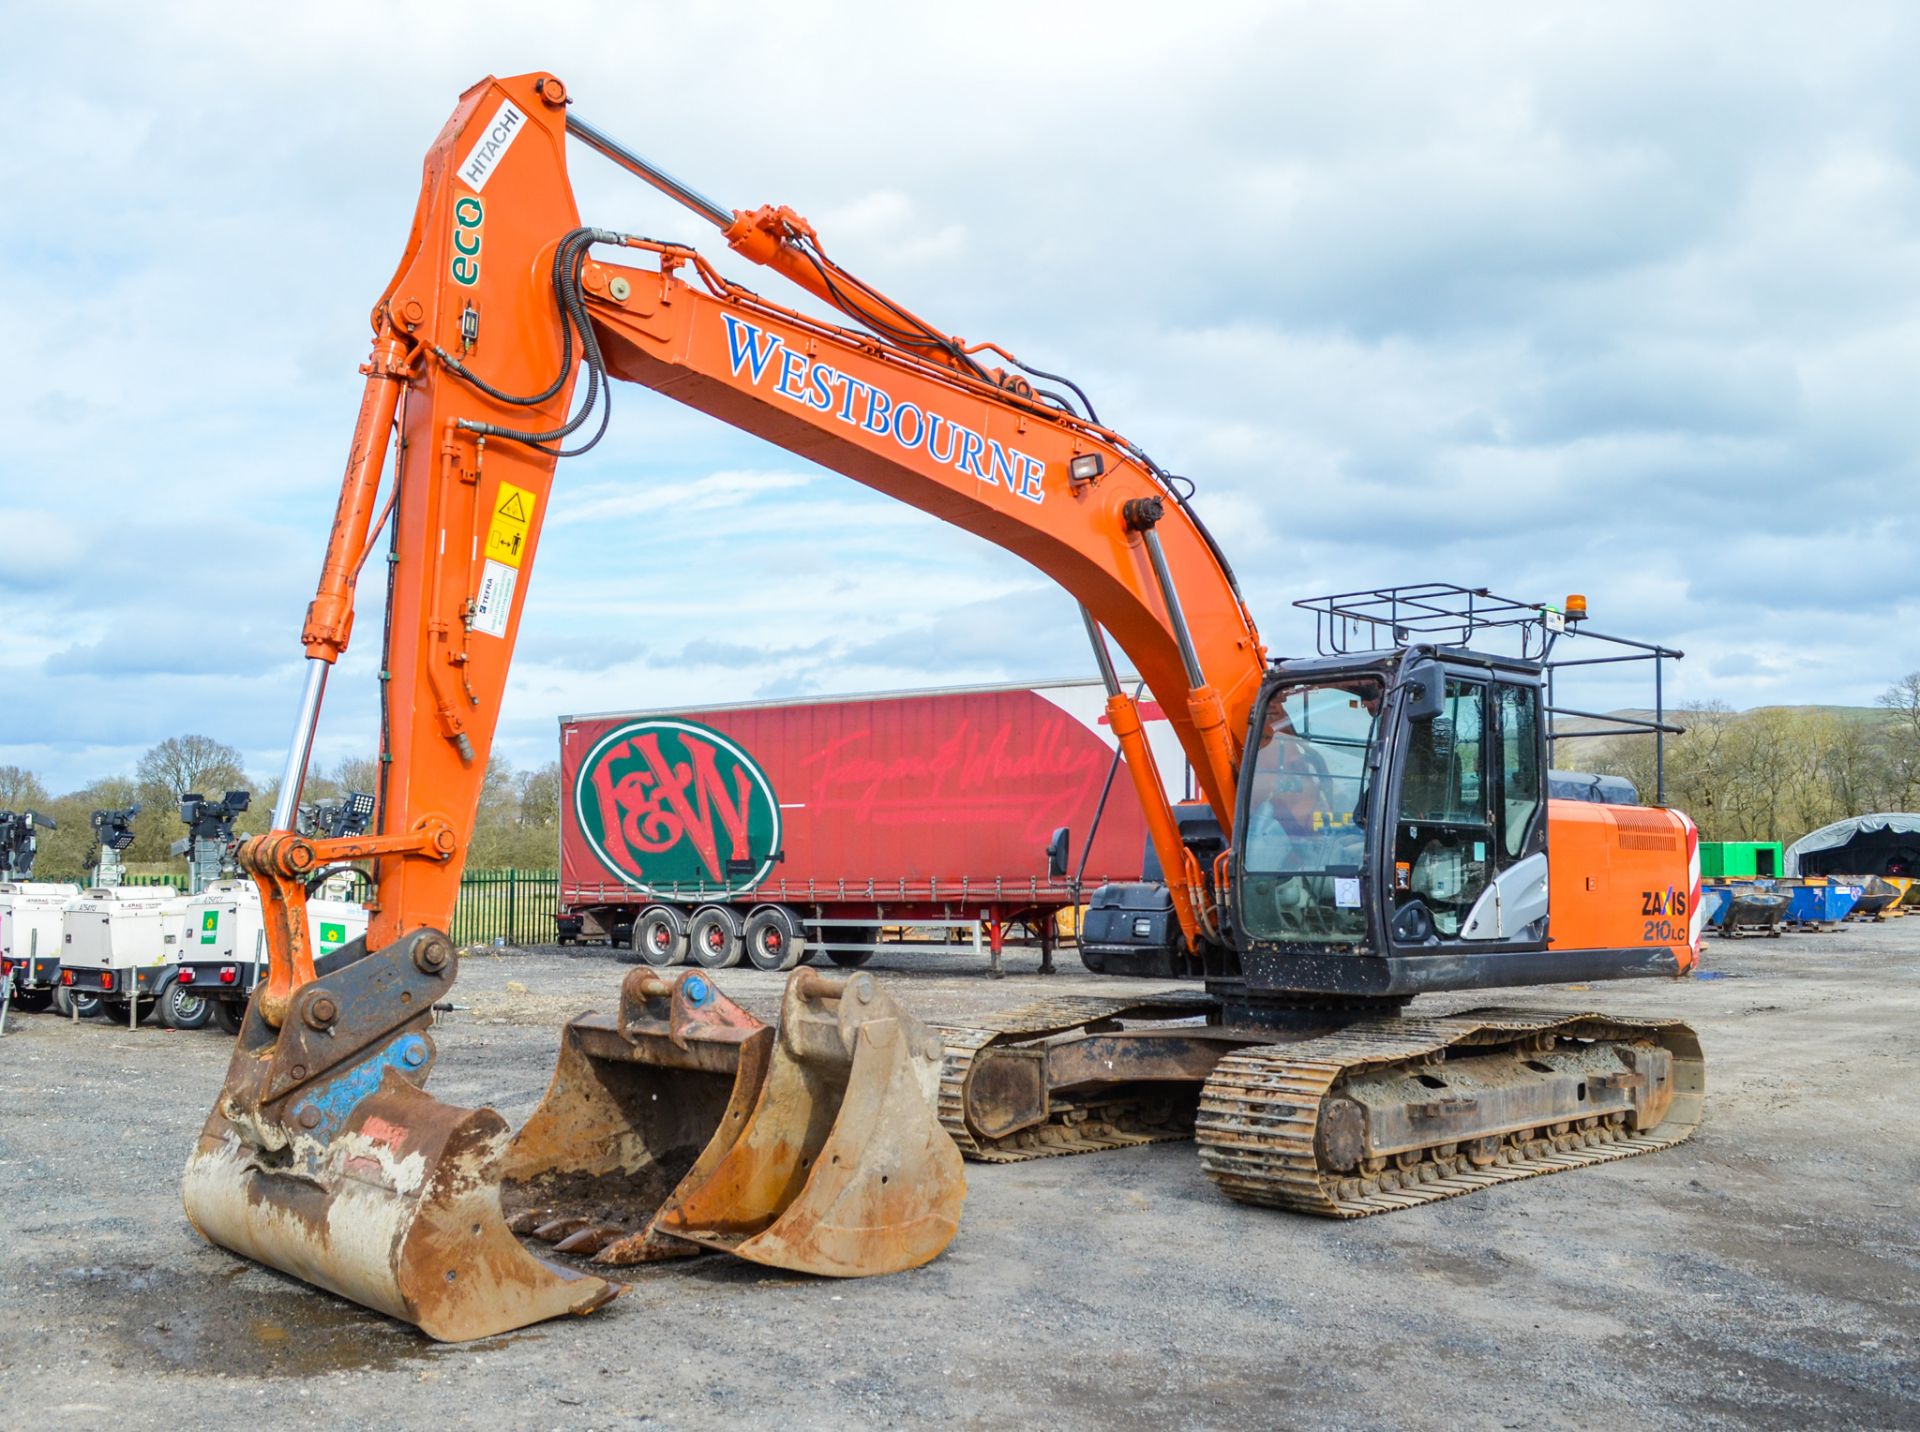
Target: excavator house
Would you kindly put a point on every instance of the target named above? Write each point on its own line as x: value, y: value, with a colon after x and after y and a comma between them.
x: 1373, y: 822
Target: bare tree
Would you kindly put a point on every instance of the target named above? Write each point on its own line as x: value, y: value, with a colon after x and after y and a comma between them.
x: 20, y: 789
x: 181, y: 764
x: 170, y: 770
x: 1902, y: 737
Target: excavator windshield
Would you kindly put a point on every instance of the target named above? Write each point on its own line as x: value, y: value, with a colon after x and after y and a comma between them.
x: 1305, y: 823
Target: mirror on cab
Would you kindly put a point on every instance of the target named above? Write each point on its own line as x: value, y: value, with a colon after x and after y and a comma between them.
x: 1057, y: 854
x: 1426, y: 687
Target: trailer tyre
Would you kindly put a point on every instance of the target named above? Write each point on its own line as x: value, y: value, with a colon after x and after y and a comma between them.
x: 660, y: 936
x: 65, y: 1001
x: 228, y: 1015
x: 849, y: 935
x: 714, y: 936
x: 32, y: 1001
x: 184, y: 1007
x: 775, y: 938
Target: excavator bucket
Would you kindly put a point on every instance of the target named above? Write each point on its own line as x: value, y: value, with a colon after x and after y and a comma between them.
x: 325, y: 1158
x: 841, y: 1167
x: 640, y: 1104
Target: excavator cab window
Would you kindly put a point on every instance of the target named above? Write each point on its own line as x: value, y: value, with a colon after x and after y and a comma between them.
x: 1470, y: 804
x: 1517, y: 724
x: 1305, y: 801
x: 1444, y: 837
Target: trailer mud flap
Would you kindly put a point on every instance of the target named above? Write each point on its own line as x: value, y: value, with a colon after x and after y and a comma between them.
x: 841, y: 1168
x: 326, y: 1159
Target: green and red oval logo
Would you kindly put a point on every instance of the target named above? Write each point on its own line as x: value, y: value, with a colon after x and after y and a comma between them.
x: 674, y: 805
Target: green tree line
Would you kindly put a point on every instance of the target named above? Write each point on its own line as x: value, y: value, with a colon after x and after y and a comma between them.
x: 518, y: 823
x: 1777, y: 772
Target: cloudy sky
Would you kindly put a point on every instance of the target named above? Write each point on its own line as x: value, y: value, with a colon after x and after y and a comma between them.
x: 1618, y: 299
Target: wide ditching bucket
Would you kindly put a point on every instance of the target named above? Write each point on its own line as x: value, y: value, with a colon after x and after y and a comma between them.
x: 684, y: 1124
x: 325, y: 1158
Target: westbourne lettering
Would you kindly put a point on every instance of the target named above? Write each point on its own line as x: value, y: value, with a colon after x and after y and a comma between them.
x: 809, y: 383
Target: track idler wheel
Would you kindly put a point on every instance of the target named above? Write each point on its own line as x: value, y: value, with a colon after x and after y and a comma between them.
x: 326, y: 1159
x: 841, y: 1168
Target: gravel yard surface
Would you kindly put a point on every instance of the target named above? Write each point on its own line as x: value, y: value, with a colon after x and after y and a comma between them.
x: 1766, y: 1273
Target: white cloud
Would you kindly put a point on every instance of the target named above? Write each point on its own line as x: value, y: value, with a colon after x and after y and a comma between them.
x: 1618, y: 299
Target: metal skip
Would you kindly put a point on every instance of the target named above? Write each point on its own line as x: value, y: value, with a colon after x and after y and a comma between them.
x: 685, y: 1124
x: 841, y: 1168
x: 325, y: 1158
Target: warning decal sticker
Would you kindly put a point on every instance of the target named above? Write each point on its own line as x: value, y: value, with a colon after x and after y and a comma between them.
x: 512, y: 522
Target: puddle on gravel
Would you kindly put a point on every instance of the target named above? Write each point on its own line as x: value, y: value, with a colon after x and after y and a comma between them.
x: 243, y: 1322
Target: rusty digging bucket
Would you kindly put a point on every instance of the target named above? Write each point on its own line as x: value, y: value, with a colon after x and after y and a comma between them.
x: 685, y: 1124
x: 640, y: 1104
x: 325, y: 1158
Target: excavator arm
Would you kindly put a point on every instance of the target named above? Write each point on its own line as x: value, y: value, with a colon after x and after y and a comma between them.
x: 502, y: 303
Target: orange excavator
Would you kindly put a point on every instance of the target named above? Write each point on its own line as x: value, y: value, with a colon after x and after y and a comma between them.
x: 1374, y: 822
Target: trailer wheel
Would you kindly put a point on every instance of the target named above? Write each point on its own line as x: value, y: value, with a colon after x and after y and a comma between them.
x: 65, y: 1001
x: 660, y: 936
x: 848, y: 935
x: 228, y: 1015
x: 114, y: 1011
x: 775, y: 938
x: 183, y: 1007
x: 713, y: 936
x: 32, y: 1001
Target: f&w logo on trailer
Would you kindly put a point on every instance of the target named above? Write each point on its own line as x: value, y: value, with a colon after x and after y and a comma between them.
x: 808, y: 383
x: 666, y: 803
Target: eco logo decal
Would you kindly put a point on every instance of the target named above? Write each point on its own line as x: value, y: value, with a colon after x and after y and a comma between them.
x: 209, y: 926
x: 332, y: 937
x: 673, y: 805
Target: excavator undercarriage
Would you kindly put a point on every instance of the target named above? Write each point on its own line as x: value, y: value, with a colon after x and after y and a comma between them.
x: 1344, y: 1116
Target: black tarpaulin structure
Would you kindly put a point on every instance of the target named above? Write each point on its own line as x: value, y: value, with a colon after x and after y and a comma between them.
x: 1887, y: 843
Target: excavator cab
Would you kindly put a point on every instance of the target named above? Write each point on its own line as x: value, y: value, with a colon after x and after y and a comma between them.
x: 1394, y: 808
x: 1396, y: 825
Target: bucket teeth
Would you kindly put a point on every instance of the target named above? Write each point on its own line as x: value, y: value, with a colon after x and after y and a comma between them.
x: 585, y: 1242
x: 524, y: 1222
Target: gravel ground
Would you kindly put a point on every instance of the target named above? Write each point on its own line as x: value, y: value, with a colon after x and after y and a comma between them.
x: 1763, y: 1274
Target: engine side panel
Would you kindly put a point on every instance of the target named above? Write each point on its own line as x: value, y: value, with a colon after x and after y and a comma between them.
x: 1623, y: 877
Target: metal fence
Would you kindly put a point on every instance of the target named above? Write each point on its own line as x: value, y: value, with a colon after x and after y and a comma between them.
x: 515, y: 905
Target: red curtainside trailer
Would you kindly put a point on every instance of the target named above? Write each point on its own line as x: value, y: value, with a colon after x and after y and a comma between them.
x: 782, y: 830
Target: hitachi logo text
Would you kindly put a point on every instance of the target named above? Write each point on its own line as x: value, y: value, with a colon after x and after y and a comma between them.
x: 492, y: 146
x: 810, y: 383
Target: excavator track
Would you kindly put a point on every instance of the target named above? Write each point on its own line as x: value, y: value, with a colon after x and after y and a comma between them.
x: 1260, y: 1122
x: 1082, y: 1129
